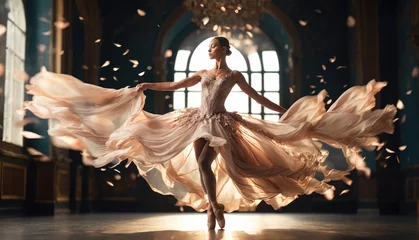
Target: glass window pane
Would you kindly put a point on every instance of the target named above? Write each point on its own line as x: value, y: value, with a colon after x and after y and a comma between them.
x: 178, y: 100
x: 271, y: 82
x: 237, y: 101
x: 257, y: 81
x: 236, y: 88
x: 179, y: 76
x: 255, y: 107
x: 273, y: 117
x: 182, y: 60
x: 194, y: 99
x: 270, y: 61
x: 254, y: 61
x: 274, y: 97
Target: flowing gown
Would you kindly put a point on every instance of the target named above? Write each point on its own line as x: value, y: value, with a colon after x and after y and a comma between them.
x: 273, y: 161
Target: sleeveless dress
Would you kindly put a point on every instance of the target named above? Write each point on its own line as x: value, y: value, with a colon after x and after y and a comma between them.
x: 256, y: 159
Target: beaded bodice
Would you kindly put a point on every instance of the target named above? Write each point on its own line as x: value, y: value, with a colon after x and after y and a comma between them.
x: 214, y: 93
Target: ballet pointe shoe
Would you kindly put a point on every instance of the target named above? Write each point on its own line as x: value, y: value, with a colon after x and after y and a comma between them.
x: 218, y: 210
x: 211, y: 219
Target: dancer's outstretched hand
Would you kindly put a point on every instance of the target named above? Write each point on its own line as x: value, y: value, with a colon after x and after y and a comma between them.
x: 142, y: 87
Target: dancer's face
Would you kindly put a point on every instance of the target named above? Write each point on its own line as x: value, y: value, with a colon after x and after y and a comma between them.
x: 215, y: 50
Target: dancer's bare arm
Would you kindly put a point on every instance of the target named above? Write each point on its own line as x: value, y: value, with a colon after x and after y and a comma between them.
x: 170, y: 86
x: 246, y: 88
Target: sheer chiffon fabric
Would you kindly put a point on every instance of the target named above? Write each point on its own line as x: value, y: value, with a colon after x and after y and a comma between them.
x: 257, y: 159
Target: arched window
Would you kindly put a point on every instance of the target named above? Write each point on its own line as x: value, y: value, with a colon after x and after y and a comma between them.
x: 260, y: 69
x: 15, y: 61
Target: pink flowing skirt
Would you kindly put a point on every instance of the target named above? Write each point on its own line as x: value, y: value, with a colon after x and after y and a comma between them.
x: 257, y: 159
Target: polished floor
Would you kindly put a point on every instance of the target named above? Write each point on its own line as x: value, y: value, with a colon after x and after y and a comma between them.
x: 186, y: 226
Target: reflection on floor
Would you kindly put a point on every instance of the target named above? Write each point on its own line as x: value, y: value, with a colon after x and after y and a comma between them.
x: 186, y: 226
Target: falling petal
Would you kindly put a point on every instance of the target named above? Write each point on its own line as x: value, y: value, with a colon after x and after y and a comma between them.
x: 106, y: 64
x: 291, y: 90
x: 109, y: 183
x: 312, y: 92
x: 248, y: 26
x: 126, y: 52
x: 102, y: 79
x: 135, y: 62
x: 141, y: 12
x: 34, y: 152
x: 318, y: 11
x: 344, y: 191
x: 166, y: 97
x: 26, y: 121
x: 117, y: 44
x: 400, y: 104
x: 114, y: 78
x: 387, y: 157
x: 344, y: 86
x: 389, y: 150
x: 215, y: 28
x: 97, y: 40
x: 395, y: 120
x: 43, y: 19
x: 168, y: 53
x: 47, y: 33
x: 103, y: 169
x: 149, y: 68
x: 329, y: 101
x: 205, y: 20
x: 141, y: 74
x: 21, y: 75
x: 402, y: 148
x: 339, y: 67
x: 312, y: 86
x: 1, y: 69
x: 81, y: 18
x: 321, y: 80
x: 319, y: 76
x: 403, y: 119
x: 409, y: 92
x: 170, y: 105
x: 332, y: 59
x: 115, y: 69
x: 415, y: 72
x: 398, y: 160
x: 249, y: 34
x: 3, y: 29
x: 324, y: 67
x: 117, y: 177
x: 61, y: 24
x: 116, y: 170
x: 350, y: 22
x: 31, y: 135
x: 85, y: 67
x: 302, y: 23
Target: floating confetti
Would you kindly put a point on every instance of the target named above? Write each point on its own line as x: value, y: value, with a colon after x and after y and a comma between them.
x: 415, y: 72
x: 115, y: 69
x: 117, y: 45
x: 332, y: 59
x: 248, y: 27
x: 114, y: 78
x: 350, y: 22
x: 106, y: 64
x: 97, y: 40
x: 402, y: 148
x: 34, y: 152
x: 387, y: 157
x: 344, y: 86
x: 395, y: 120
x: 126, y: 52
x: 205, y: 20
x: 312, y: 86
x: 409, y: 92
x: 249, y: 34
x: 168, y: 53
x: 400, y: 104
x: 31, y: 135
x: 102, y: 79
x: 324, y: 67
x: 1, y: 69
x: 3, y: 30
x: 141, y: 12
x: 314, y: 91
x: 117, y: 177
x: 340, y: 67
x: 166, y: 97
x: 322, y: 80
x: 81, y: 18
x: 389, y: 150
x: 149, y: 68
x: 141, y: 74
x: 85, y: 67
x: 291, y: 90
x: 403, y: 119
x: 329, y: 101
x: 116, y: 170
x: 215, y: 27
x: 398, y: 160
x: 344, y: 191
x: 135, y: 62
x: 302, y: 23
x: 103, y: 169
x: 109, y: 183
x: 61, y: 24
x: 170, y: 105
